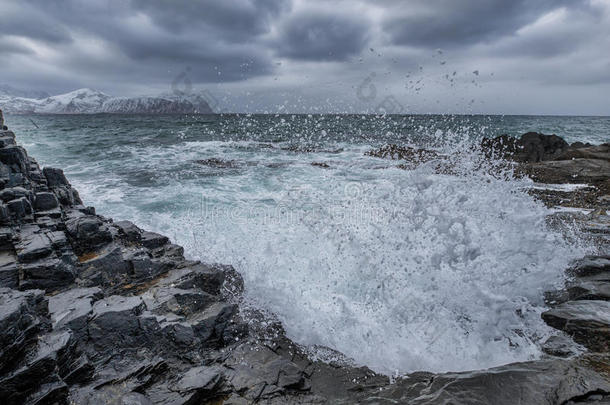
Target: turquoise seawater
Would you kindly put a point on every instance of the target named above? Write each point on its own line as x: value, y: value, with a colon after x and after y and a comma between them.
x: 401, y: 270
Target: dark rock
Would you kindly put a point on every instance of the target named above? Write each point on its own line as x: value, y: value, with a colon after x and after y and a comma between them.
x: 33, y: 244
x: 106, y: 267
x: 178, y: 301
x: 211, y: 323
x: 115, y: 323
x: 396, y: 152
x: 152, y: 240
x: 88, y: 233
x: 19, y: 207
x: 559, y: 346
x: 144, y: 267
x: 45, y: 201
x: 591, y: 266
x: 129, y: 230
x: 14, y: 157
x: 592, y: 171
x: 587, y: 321
x: 23, y: 315
x: 535, y: 147
x: 9, y: 274
x: 541, y: 383
x: 50, y: 274
x: 72, y: 308
x: 15, y: 192
x: 199, y: 385
x: 586, y: 152
x: 531, y: 147
x: 218, y: 163
x: 55, y: 177
x: 589, y: 288
x: 207, y: 278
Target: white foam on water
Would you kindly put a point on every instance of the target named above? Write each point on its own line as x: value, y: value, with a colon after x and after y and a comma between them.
x: 559, y: 187
x: 400, y: 270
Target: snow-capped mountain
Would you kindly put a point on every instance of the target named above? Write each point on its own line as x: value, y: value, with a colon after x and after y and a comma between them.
x: 88, y: 101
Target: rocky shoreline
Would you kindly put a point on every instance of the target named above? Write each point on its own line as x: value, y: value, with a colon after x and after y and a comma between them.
x: 96, y: 311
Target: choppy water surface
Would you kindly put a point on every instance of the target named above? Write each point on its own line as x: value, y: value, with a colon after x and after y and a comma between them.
x: 417, y: 269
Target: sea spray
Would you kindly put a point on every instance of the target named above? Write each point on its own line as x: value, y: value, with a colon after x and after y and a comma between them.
x: 434, y: 266
x: 438, y: 267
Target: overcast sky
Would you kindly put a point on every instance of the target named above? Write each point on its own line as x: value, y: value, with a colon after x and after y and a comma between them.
x: 409, y: 56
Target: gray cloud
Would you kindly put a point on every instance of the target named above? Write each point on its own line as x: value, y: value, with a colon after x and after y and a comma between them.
x: 322, y: 36
x: 448, y: 24
x: 276, y: 49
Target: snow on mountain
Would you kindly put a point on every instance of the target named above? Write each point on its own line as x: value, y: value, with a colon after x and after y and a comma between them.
x: 88, y: 101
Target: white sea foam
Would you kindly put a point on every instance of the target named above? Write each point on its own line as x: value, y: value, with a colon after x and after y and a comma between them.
x: 399, y: 269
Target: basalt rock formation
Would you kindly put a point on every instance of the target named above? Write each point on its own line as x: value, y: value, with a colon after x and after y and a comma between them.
x: 96, y: 311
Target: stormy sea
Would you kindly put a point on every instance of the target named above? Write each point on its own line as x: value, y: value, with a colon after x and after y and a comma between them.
x: 440, y: 265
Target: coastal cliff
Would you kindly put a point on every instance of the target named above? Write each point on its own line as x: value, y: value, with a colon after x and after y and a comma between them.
x: 96, y: 311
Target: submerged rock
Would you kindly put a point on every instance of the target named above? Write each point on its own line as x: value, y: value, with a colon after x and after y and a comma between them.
x: 396, y: 152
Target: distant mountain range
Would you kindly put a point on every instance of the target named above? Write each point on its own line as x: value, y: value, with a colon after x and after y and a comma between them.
x: 88, y: 101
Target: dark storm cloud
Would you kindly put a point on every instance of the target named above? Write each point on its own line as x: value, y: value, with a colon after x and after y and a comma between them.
x: 127, y: 47
x: 238, y: 21
x: 208, y: 36
x: 454, y: 23
x: 17, y: 21
x: 9, y: 47
x: 322, y: 36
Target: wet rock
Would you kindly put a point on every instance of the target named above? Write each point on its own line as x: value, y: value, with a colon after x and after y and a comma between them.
x: 15, y: 157
x: 38, y: 379
x: 129, y: 230
x: 543, y: 382
x: 587, y: 321
x: 12, y: 193
x: 115, y: 323
x: 19, y: 207
x: 586, y: 152
x: 258, y: 372
x: 396, y: 152
x: 105, y: 267
x: 9, y: 274
x: 218, y: 163
x: 591, y: 266
x: 33, y: 244
x: 211, y: 324
x: 530, y: 147
x: 198, y: 385
x: 592, y: 171
x: 144, y: 267
x: 559, y: 346
x: 590, y: 288
x: 207, y: 278
x: 178, y: 301
x: 55, y: 177
x: 49, y: 274
x: 152, y: 240
x: 71, y: 308
x: 45, y: 201
x: 23, y: 315
x: 88, y: 233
